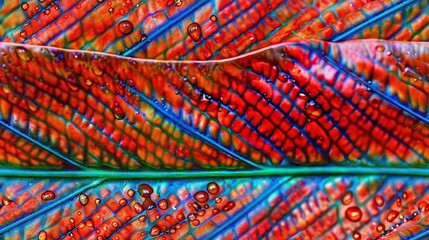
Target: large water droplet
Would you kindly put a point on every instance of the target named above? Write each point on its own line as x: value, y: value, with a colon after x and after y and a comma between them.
x: 391, y: 215
x: 48, y: 195
x: 145, y: 190
x: 23, y: 54
x: 213, y: 188
x: 194, y: 31
x: 83, y: 199
x: 354, y: 214
x: 125, y: 27
x: 155, y: 231
x: 201, y: 196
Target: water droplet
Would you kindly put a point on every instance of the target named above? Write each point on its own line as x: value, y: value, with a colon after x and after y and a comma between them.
x: 123, y: 202
x: 356, y: 236
x: 115, y: 224
x: 201, y: 196
x: 97, y: 201
x: 218, y: 200
x: 196, y: 222
x: 118, y: 111
x: 380, y: 227
x: 48, y: 195
x: 347, y: 198
x: 380, y: 48
x: 180, y: 216
x: 391, y: 215
x: 43, y: 235
x: 111, y: 10
x: 163, y: 204
x: 230, y: 205
x: 215, y: 211
x: 194, y: 31
x: 172, y: 231
x: 179, y: 3
x: 130, y: 193
x: 89, y: 223
x: 23, y: 54
x: 398, y: 202
x: 201, y: 213
x: 405, y: 195
x: 378, y: 200
x: 81, y: 225
x: 142, y: 218
x: 23, y: 34
x: 83, y: 199
x: 313, y: 110
x: 125, y: 27
x: 24, y: 6
x: 138, y: 208
x: 155, y: 231
x: 213, y: 18
x: 354, y: 214
x: 423, y: 206
x: 389, y: 53
x: 213, y: 188
x: 145, y: 190
x: 191, y: 217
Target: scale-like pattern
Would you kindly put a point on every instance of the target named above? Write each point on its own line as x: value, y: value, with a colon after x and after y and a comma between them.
x: 243, y: 208
x: 221, y: 29
x: 299, y: 103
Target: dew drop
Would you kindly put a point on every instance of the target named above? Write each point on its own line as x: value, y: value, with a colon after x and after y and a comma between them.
x: 230, y: 205
x: 380, y: 48
x: 404, y: 195
x: 118, y: 111
x: 111, y: 10
x: 81, y: 225
x: 347, y: 198
x: 215, y: 211
x: 213, y: 18
x: 180, y: 216
x: 125, y: 27
x: 356, y: 236
x: 378, y: 200
x: 218, y: 200
x: 398, y: 202
x: 179, y: 3
x: 163, y: 204
x: 130, y: 193
x: 201, y: 196
x: 157, y: 216
x: 48, y: 195
x: 172, y: 231
x: 380, y: 227
x: 423, y: 206
x: 123, y: 202
x: 43, y: 235
x: 89, y: 223
x: 23, y: 54
x: 196, y: 222
x: 97, y: 201
x: 23, y: 34
x: 115, y: 224
x: 145, y: 190
x: 313, y: 110
x: 213, y: 188
x: 354, y: 214
x: 24, y: 6
x: 391, y: 215
x: 142, y: 218
x: 194, y: 31
x: 155, y: 231
x: 201, y: 213
x: 83, y: 199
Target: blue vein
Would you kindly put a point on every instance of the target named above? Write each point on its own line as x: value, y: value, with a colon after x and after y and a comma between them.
x: 372, y: 20
x: 165, y: 27
x: 54, y: 204
x: 52, y: 151
x: 248, y: 208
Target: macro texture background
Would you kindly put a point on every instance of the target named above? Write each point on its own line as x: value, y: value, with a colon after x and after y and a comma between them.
x: 213, y: 119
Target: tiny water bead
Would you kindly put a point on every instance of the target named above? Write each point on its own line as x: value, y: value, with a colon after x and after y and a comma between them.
x: 23, y: 54
x: 213, y: 188
x: 43, y: 235
x: 353, y: 214
x: 201, y: 196
x: 118, y: 111
x: 125, y: 27
x: 48, y: 195
x: 380, y: 48
x: 163, y: 204
x: 378, y: 200
x: 347, y: 198
x: 130, y: 193
x: 83, y: 199
x: 24, y: 6
x: 213, y: 18
x: 194, y: 31
x: 391, y: 215
x: 155, y: 231
x: 356, y: 236
x: 313, y: 110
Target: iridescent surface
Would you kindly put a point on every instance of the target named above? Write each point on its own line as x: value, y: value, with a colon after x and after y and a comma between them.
x: 282, y: 132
